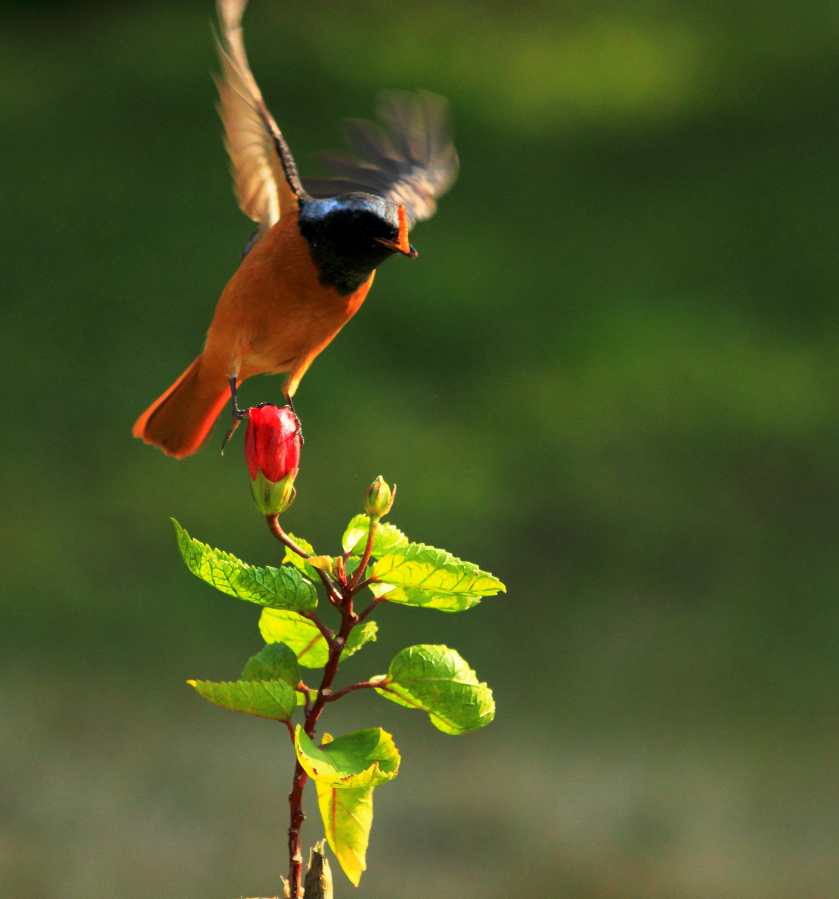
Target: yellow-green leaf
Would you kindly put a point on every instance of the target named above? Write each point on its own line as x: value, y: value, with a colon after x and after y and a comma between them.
x: 265, y: 699
x: 387, y: 537
x: 438, y: 680
x: 345, y: 772
x: 277, y: 588
x: 347, y: 818
x: 364, y: 758
x: 303, y: 637
x: 420, y: 575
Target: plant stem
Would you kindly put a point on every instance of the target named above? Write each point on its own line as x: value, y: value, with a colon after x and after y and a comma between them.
x: 370, y: 608
x: 282, y: 536
x: 324, y: 630
x: 295, y: 852
x: 354, y: 687
x: 348, y: 621
x: 371, y: 534
x: 341, y: 596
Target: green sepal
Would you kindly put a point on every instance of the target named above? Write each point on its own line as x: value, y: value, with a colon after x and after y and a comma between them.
x: 387, y: 537
x: 275, y: 661
x: 438, y: 680
x: 273, y: 497
x: 305, y: 640
x: 273, y: 699
x: 277, y: 588
x: 345, y: 772
x: 420, y: 575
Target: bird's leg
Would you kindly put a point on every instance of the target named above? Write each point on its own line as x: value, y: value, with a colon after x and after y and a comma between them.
x: 290, y: 403
x: 237, y: 413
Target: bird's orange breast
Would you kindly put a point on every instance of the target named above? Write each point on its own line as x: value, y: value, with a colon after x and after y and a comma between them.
x: 275, y: 314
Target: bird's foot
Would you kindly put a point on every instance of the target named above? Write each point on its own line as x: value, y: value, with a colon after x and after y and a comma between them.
x: 237, y: 413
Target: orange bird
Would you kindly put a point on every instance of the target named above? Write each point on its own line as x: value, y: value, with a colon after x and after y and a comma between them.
x: 308, y: 266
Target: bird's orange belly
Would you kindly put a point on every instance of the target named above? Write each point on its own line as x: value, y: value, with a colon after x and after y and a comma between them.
x: 275, y: 313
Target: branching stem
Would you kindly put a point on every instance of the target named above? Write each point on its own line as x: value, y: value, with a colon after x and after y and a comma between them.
x: 370, y: 608
x: 371, y: 534
x: 352, y: 688
x: 282, y: 536
x: 340, y: 592
x: 324, y: 630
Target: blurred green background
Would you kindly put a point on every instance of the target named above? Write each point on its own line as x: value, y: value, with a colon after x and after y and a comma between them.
x: 611, y: 378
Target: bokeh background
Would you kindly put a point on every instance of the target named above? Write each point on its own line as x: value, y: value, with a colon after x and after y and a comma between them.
x: 611, y: 378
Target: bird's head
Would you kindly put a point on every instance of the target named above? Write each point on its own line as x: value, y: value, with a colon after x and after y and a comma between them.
x: 352, y: 235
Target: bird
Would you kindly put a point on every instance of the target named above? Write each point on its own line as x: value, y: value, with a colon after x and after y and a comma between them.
x: 308, y: 266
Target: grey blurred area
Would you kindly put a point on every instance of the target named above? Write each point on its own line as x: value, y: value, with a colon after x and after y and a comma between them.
x: 611, y: 378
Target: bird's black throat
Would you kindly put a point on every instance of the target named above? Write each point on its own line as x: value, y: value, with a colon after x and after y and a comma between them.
x: 341, y: 233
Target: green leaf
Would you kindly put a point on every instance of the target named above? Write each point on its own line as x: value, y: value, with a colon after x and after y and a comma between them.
x: 438, y: 680
x: 277, y: 588
x: 359, y: 635
x: 298, y: 633
x: 305, y: 640
x: 345, y: 772
x: 420, y: 575
x: 291, y: 558
x: 275, y: 661
x: 266, y: 699
x: 387, y: 537
x: 364, y: 758
x: 347, y: 818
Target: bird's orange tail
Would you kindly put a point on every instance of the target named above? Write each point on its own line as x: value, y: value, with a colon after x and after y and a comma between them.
x: 180, y: 420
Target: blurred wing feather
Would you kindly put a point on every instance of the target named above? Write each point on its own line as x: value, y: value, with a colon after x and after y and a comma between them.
x: 410, y: 161
x: 264, y: 174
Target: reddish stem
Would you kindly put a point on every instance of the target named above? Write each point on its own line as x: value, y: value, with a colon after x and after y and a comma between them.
x: 307, y: 702
x: 365, y: 583
x: 282, y: 536
x: 370, y: 608
x: 354, y: 687
x: 324, y: 630
x: 295, y: 852
x: 341, y: 596
x: 348, y: 622
x: 367, y: 550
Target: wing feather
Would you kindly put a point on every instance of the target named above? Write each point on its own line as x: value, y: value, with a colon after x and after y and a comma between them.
x: 410, y: 161
x: 264, y: 174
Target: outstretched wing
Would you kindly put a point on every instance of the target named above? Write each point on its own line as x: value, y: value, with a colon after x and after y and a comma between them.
x: 410, y: 161
x: 264, y: 174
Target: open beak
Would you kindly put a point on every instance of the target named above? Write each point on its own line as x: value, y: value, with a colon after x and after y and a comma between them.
x: 397, y: 246
x: 400, y: 245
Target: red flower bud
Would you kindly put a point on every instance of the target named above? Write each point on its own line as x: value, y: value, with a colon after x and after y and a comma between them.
x: 272, y: 451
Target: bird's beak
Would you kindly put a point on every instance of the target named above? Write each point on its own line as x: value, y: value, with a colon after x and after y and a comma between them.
x: 397, y: 247
x: 400, y: 245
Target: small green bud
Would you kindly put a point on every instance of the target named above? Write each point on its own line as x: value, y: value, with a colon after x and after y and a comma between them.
x: 379, y: 499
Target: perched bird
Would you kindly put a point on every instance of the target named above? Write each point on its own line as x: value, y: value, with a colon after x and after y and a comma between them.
x: 308, y: 266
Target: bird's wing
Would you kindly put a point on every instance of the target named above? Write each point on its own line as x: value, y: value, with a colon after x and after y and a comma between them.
x: 264, y: 174
x: 410, y: 159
